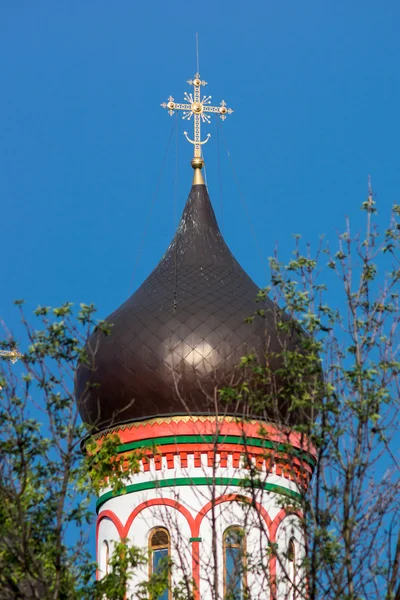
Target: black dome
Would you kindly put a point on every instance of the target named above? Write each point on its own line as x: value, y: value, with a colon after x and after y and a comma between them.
x: 182, y: 333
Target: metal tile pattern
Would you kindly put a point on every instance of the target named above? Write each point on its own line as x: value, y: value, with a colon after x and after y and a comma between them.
x: 181, y: 333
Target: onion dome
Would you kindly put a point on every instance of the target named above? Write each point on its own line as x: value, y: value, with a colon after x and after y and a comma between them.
x: 181, y: 335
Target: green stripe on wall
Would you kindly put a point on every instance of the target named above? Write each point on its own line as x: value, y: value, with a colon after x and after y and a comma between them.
x: 195, y: 481
x: 210, y: 439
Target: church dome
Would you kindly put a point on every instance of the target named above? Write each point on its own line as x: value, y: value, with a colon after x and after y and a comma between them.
x: 181, y: 335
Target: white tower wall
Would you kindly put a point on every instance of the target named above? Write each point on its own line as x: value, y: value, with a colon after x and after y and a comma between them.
x: 180, y: 489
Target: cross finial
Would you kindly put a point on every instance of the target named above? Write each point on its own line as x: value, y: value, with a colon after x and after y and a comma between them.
x: 199, y: 108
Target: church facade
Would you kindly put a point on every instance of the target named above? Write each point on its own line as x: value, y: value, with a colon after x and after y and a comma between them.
x: 219, y: 483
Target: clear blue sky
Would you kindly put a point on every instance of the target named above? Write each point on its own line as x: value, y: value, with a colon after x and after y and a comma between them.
x: 315, y: 86
x: 315, y: 89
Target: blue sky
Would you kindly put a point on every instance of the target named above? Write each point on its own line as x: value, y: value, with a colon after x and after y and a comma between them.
x: 315, y: 87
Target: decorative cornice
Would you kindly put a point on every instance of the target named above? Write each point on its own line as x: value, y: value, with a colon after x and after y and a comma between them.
x: 173, y: 457
x: 183, y: 425
x: 218, y: 443
x: 177, y: 419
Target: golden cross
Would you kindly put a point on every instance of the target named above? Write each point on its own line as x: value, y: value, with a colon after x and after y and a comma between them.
x: 198, y: 108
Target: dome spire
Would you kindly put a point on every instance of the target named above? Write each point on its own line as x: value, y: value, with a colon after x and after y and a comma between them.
x: 199, y: 108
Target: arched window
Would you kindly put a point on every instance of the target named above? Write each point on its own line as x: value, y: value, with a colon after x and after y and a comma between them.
x: 291, y: 556
x: 291, y: 551
x: 105, y: 558
x: 234, y: 563
x: 160, y: 550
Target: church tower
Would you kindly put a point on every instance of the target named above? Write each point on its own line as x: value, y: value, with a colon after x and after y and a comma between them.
x: 219, y: 482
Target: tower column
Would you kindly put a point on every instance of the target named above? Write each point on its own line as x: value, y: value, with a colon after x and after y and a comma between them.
x: 216, y: 489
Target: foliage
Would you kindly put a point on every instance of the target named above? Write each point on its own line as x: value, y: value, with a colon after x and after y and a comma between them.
x: 47, y: 483
x: 351, y: 511
x: 334, y: 380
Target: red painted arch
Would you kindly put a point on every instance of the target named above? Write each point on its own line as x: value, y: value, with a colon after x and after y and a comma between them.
x: 190, y: 520
x: 230, y: 498
x: 107, y: 514
x: 202, y: 514
x: 282, y: 514
x: 163, y: 502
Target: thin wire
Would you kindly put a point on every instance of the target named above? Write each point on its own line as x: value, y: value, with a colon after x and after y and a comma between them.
x: 205, y: 170
x: 245, y: 207
x: 151, y: 209
x: 197, y: 52
x: 176, y: 169
x: 175, y: 211
x: 221, y: 207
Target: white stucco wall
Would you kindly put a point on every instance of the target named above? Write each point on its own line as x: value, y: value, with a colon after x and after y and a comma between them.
x: 194, y: 499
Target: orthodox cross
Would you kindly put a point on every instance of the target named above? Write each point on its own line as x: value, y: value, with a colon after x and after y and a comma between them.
x: 198, y: 108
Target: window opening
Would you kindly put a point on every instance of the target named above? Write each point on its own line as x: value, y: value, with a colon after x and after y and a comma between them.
x: 160, y: 550
x: 291, y: 554
x: 234, y: 563
x: 106, y: 557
